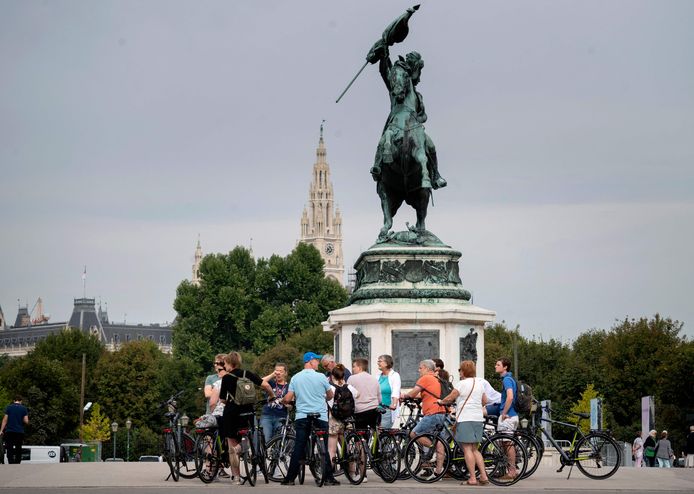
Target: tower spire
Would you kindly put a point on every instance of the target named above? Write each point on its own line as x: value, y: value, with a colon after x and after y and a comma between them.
x: 321, y: 225
x: 195, y: 280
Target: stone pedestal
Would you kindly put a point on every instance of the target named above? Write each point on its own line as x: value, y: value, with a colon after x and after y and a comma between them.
x: 409, y: 302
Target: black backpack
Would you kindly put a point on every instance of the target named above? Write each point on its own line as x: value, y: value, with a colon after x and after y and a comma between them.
x: 446, y: 387
x: 524, y: 397
x: 343, y: 403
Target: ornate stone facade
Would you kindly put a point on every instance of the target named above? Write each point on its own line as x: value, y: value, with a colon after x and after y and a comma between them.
x: 321, y: 222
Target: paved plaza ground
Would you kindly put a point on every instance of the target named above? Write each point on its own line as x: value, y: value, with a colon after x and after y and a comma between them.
x: 148, y: 478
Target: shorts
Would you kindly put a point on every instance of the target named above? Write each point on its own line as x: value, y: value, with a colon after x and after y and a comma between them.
x: 428, y: 423
x: 508, y: 425
x: 369, y: 418
x: 469, y: 432
x: 335, y: 426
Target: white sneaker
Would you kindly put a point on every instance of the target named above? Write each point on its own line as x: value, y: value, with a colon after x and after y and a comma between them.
x: 365, y: 480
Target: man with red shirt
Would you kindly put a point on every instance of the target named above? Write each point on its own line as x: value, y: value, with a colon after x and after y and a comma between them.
x: 429, y: 389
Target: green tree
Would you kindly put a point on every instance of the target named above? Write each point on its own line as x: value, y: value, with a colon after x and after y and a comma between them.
x: 98, y: 427
x: 583, y: 406
x: 132, y: 381
x: 252, y: 306
x: 49, y: 394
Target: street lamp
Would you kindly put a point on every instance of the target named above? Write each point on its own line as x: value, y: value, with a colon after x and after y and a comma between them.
x: 128, y: 425
x: 114, y: 428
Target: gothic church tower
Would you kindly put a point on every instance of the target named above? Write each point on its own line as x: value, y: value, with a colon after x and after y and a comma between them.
x: 321, y: 222
x: 196, y: 266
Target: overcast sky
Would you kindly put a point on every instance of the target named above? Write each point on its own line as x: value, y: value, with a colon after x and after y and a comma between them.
x: 565, y: 130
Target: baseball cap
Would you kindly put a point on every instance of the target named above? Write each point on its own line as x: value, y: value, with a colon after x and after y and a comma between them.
x: 308, y: 356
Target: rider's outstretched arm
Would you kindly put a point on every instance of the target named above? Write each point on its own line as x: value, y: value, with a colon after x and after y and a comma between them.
x: 384, y: 66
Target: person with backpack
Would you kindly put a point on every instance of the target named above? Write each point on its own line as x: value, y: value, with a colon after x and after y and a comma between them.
x: 239, y: 396
x: 390, y: 384
x: 341, y: 407
x: 508, y: 417
x: 443, y: 376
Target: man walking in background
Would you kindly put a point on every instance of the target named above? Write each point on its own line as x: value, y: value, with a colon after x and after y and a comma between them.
x: 12, y: 429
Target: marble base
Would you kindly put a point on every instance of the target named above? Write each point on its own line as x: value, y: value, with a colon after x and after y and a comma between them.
x: 410, y: 330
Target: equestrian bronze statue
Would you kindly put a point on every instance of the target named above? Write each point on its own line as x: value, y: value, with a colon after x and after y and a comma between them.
x: 405, y: 168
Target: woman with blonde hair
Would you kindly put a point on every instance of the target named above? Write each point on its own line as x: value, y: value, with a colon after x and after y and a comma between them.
x: 470, y: 400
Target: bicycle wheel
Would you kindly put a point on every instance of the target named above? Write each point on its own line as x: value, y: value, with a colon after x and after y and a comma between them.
x: 457, y: 467
x: 186, y: 463
x: 259, y: 451
x: 353, y: 459
x: 247, y: 460
x: 278, y: 455
x: 533, y: 449
x: 387, y: 463
x: 206, y: 456
x: 402, y: 438
x: 317, y: 461
x: 422, y: 461
x: 597, y: 455
x: 171, y: 454
x: 505, y: 459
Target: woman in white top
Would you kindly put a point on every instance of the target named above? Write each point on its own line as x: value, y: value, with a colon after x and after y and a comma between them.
x: 637, y: 450
x: 470, y: 399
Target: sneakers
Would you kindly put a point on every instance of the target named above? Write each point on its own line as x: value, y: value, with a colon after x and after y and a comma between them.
x: 331, y: 482
x: 287, y: 482
x: 223, y: 474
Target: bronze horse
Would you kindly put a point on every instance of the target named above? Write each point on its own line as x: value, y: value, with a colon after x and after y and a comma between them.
x: 404, y: 156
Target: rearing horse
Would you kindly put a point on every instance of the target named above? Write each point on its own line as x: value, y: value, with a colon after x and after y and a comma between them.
x: 401, y: 170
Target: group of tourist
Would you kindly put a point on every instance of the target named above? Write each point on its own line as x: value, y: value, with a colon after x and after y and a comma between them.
x: 369, y: 400
x: 653, y: 452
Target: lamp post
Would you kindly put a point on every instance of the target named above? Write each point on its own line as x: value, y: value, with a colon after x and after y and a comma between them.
x: 114, y: 429
x: 128, y: 425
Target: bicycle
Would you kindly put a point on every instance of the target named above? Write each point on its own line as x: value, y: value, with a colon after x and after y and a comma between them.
x: 533, y: 446
x: 350, y: 455
x: 382, y: 451
x: 279, y: 451
x: 253, y: 449
x: 595, y: 454
x: 178, y: 447
x: 402, y: 436
x: 443, y: 451
x: 210, y: 453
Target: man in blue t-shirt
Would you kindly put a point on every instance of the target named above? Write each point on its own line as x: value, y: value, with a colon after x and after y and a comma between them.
x: 508, y: 417
x: 12, y: 429
x: 311, y: 390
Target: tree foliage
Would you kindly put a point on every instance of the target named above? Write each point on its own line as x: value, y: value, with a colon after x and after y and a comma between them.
x: 97, y: 427
x: 252, y: 306
x: 634, y: 358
